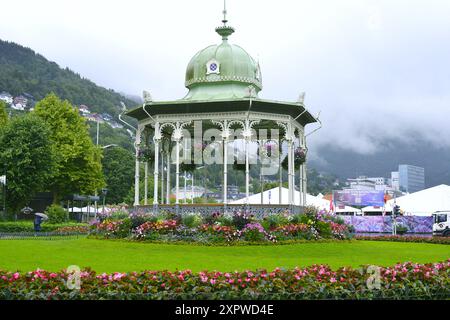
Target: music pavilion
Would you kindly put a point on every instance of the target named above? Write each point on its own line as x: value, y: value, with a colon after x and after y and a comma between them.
x: 223, y: 82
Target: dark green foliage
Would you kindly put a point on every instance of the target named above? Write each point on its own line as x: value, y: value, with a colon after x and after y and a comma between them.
x: 27, y: 226
x: 56, y: 214
x: 3, y: 115
x: 118, y: 168
x: 26, y: 157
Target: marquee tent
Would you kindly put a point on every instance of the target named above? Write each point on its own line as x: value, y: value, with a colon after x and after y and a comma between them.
x: 425, y: 202
x: 272, y: 197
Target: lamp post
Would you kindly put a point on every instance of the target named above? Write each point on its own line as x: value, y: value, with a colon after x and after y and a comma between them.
x: 104, y: 193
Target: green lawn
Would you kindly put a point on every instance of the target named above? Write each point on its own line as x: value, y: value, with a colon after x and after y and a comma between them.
x: 109, y: 256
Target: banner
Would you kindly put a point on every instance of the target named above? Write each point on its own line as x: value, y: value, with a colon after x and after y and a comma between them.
x: 359, y: 197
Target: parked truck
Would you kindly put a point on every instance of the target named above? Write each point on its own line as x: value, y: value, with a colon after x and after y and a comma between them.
x: 441, y: 225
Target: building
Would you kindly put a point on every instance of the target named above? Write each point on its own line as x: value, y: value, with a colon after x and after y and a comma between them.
x: 6, y: 97
x: 223, y: 83
x: 395, y: 181
x: 411, y: 178
x: 366, y: 183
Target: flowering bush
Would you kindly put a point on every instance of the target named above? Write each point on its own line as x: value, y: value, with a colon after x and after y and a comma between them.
x: 401, y: 281
x: 255, y: 232
x: 300, y: 231
x: 218, y: 227
x: 241, y: 219
x: 112, y: 228
x: 73, y: 229
x: 158, y: 226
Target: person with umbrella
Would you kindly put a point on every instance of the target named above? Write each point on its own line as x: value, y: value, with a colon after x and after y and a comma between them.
x: 38, y: 218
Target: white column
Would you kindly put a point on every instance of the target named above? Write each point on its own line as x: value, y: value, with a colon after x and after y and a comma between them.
x: 156, y: 139
x: 185, y: 188
x: 136, y: 174
x: 146, y: 183
x: 247, y: 165
x: 305, y: 182
x: 225, y: 170
x: 290, y: 171
x: 300, y: 179
x: 293, y: 174
x: 168, y: 178
x: 177, y: 172
x: 280, y: 169
x: 162, y: 179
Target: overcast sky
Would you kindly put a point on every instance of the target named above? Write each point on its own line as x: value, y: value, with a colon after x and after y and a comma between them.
x: 375, y: 69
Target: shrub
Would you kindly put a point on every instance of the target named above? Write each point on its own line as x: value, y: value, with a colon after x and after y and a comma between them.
x: 56, y: 214
x: 276, y: 220
x: 27, y: 226
x: 192, y: 220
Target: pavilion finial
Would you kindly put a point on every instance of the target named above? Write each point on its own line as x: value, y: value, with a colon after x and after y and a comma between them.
x: 224, y: 12
x: 225, y: 30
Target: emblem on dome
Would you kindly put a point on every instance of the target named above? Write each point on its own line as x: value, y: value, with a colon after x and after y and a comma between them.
x: 213, y: 67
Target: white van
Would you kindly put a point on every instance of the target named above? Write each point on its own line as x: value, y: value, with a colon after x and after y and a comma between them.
x: 441, y: 225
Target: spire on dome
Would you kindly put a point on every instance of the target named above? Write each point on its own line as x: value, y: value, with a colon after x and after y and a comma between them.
x: 225, y: 31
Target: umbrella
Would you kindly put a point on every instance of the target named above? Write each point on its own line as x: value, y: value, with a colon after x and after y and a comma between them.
x: 43, y: 215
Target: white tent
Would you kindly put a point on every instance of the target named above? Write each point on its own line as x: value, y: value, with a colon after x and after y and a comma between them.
x: 340, y: 209
x: 425, y: 202
x: 272, y: 197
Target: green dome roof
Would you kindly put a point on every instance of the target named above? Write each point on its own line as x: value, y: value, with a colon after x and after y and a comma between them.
x: 224, y: 71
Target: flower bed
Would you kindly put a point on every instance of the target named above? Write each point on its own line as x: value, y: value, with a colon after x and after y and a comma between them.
x: 219, y: 228
x: 402, y: 281
x: 437, y: 240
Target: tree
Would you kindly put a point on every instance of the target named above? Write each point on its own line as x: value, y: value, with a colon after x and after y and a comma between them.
x: 3, y: 115
x: 26, y: 158
x: 118, y: 168
x: 78, y: 162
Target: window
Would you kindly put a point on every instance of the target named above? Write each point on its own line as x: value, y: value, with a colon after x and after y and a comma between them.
x: 439, y: 218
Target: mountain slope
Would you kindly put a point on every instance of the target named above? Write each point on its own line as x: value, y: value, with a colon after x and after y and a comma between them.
x: 24, y: 71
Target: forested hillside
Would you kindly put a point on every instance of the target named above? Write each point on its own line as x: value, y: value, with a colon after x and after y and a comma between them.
x: 24, y: 71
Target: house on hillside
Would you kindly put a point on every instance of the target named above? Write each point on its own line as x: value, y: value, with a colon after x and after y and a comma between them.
x: 6, y: 97
x: 106, y: 116
x: 84, y: 110
x: 19, y: 103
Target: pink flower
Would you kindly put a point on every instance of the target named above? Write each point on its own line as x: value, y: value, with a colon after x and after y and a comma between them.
x: 212, y: 281
x: 332, y: 280
x: 16, y: 276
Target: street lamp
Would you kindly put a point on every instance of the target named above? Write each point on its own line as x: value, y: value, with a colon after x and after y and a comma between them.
x: 104, y: 192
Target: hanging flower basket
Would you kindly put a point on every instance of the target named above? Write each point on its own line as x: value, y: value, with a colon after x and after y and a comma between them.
x: 299, y: 158
x: 146, y: 154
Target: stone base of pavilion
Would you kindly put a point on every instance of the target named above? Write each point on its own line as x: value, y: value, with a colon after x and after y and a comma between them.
x: 258, y: 210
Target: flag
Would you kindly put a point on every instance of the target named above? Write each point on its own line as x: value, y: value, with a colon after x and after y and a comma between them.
x: 3, y: 180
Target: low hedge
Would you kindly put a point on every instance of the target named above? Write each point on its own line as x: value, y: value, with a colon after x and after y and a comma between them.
x: 27, y: 226
x: 437, y: 240
x: 402, y: 281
